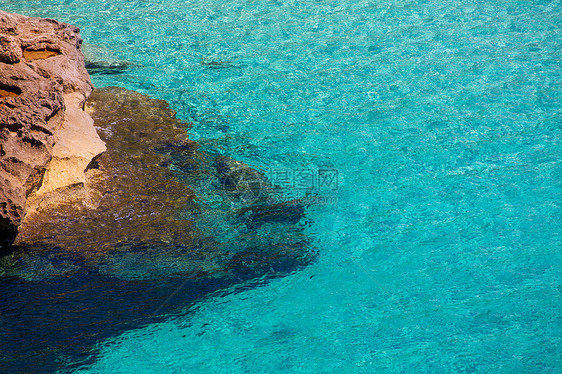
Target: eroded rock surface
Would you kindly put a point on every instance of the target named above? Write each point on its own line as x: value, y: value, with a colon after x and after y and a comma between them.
x: 46, y: 139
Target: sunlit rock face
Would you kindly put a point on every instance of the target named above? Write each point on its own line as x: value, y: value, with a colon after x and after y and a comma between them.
x: 46, y: 139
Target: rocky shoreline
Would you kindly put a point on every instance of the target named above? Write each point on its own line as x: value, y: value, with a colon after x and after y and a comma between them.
x: 102, y: 233
x: 140, y: 213
x: 47, y: 140
x: 60, y: 187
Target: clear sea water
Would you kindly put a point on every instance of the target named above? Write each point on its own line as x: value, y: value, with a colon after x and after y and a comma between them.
x: 441, y: 251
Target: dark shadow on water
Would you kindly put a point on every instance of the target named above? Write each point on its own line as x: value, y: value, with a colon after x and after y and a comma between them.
x: 53, y: 324
x: 104, y: 68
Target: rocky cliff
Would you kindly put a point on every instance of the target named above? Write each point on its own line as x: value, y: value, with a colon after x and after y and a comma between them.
x: 46, y: 139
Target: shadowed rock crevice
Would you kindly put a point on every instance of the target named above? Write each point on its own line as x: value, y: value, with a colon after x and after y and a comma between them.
x: 42, y: 54
x: 9, y: 91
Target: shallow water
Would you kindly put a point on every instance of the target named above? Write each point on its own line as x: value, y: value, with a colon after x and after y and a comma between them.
x: 439, y: 249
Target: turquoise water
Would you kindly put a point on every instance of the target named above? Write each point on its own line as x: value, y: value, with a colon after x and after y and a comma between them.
x: 441, y: 249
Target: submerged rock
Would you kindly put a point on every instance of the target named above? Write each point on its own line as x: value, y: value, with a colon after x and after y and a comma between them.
x: 100, y: 60
x: 157, y: 205
x: 46, y: 139
x: 155, y: 229
x: 113, y: 239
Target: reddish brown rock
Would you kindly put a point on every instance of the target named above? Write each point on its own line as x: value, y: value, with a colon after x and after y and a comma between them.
x: 43, y: 86
x: 10, y: 50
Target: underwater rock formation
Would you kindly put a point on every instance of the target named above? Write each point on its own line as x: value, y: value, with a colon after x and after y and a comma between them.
x: 155, y: 198
x: 107, y: 240
x: 160, y: 224
x: 46, y: 139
